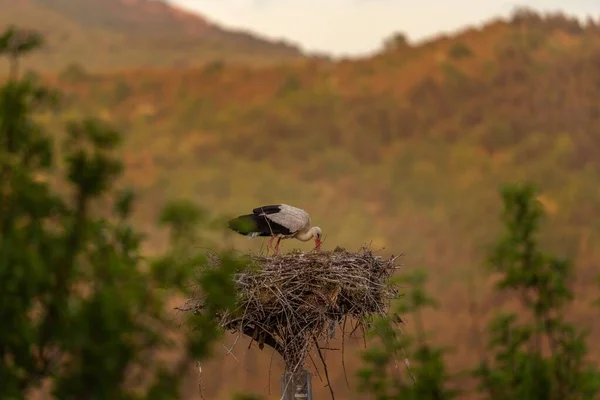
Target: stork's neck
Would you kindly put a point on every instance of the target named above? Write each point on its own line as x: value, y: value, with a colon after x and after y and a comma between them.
x: 305, y: 236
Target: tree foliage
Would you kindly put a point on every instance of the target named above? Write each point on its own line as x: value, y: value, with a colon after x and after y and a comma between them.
x: 545, y: 357
x: 534, y: 355
x: 426, y: 377
x: 82, y: 307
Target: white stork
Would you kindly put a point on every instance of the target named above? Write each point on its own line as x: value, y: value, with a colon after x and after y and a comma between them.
x: 281, y: 221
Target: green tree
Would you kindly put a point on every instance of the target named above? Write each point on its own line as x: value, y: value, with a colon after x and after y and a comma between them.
x: 16, y: 43
x: 182, y: 218
x: 81, y: 306
x: 426, y: 377
x: 545, y: 358
x: 459, y: 50
x: 396, y: 41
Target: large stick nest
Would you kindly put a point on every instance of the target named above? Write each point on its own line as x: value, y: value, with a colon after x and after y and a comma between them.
x: 291, y: 301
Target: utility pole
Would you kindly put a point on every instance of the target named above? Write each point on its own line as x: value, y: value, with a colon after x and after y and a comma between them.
x: 296, y: 385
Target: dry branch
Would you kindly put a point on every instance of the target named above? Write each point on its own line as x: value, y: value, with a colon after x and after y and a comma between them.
x: 286, y: 301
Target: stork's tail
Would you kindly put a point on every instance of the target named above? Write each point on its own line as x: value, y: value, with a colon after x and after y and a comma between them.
x: 245, y: 225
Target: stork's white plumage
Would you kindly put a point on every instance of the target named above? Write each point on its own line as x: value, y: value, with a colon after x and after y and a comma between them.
x: 279, y: 221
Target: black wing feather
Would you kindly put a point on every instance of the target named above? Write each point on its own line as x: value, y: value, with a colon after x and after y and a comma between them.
x: 254, y: 223
x: 270, y: 209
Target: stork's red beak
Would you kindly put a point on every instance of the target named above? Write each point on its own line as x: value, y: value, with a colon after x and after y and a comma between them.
x: 317, y: 244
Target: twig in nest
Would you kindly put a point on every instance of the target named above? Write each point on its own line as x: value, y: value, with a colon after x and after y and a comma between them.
x: 324, y: 368
x: 358, y: 325
x: 407, y: 361
x: 200, y: 384
x: 230, y: 350
x: 316, y: 369
x: 270, y: 366
x: 364, y: 335
x: 343, y: 351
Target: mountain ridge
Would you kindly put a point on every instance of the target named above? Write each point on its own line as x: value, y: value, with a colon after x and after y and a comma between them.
x: 106, y: 35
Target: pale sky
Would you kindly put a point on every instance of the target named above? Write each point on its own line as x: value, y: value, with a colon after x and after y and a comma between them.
x: 357, y: 27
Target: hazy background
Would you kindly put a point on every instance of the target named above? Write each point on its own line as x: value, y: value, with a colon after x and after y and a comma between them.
x: 355, y: 27
x: 404, y: 147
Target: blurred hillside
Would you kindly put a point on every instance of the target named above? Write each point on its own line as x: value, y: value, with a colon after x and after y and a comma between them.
x: 405, y: 150
x: 117, y: 34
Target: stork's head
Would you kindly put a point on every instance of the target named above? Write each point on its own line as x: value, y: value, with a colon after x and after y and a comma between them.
x: 317, y: 235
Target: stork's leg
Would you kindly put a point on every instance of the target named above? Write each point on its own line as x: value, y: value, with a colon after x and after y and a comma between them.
x: 277, y: 246
x: 270, y: 243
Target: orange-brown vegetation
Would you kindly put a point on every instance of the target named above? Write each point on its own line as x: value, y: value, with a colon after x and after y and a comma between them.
x: 405, y: 150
